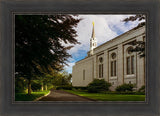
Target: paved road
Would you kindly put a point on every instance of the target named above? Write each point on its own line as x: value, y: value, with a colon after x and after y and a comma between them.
x: 59, y: 95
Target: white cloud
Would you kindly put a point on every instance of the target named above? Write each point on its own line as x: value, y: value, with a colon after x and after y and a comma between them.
x: 106, y: 27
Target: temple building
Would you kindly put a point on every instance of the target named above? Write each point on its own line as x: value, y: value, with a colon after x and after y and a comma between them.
x: 112, y: 61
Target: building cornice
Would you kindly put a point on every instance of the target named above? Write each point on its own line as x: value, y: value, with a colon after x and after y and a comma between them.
x: 124, y: 34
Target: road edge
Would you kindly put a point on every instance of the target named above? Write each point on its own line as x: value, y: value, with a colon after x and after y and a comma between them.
x: 42, y: 96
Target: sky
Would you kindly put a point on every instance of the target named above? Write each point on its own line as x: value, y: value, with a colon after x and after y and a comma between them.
x: 106, y: 28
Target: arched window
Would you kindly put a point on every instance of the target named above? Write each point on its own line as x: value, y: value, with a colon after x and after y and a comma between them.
x: 130, y: 61
x: 100, y: 67
x: 113, y: 65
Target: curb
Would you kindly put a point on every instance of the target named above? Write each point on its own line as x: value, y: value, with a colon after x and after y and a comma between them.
x: 42, y: 96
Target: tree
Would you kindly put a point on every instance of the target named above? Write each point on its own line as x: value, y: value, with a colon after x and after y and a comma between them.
x: 61, y: 79
x: 69, y: 78
x: 139, y: 17
x: 38, y: 43
x: 44, y: 81
x: 139, y: 46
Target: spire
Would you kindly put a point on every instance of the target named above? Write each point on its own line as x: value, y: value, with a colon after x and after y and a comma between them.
x: 93, y: 41
x: 93, y: 34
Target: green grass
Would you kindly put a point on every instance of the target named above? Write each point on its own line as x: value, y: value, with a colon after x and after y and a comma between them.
x: 109, y: 97
x: 33, y: 96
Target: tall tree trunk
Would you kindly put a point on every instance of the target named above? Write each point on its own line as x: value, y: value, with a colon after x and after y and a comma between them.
x: 29, y: 87
x: 42, y: 87
x: 45, y: 87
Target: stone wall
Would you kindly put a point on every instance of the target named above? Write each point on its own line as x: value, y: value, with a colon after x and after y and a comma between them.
x: 83, y: 73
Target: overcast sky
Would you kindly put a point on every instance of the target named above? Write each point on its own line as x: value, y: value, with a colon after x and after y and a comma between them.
x: 107, y: 27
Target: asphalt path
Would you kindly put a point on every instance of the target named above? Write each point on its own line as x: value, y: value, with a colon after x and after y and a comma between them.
x: 59, y: 95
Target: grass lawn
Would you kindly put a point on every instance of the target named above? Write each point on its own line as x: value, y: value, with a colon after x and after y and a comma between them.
x: 109, y: 97
x: 33, y: 96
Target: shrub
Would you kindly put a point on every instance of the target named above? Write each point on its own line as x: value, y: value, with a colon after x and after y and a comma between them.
x: 98, y: 85
x: 80, y: 88
x: 142, y: 89
x: 125, y: 87
x: 65, y: 87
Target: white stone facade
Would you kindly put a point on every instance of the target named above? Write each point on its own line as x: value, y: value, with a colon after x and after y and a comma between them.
x: 113, y: 62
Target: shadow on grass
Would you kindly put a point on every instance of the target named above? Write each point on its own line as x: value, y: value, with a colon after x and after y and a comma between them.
x: 31, y: 97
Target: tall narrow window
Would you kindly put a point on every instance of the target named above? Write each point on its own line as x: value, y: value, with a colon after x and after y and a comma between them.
x: 130, y: 62
x: 112, y: 68
x: 128, y: 65
x: 113, y: 65
x: 83, y: 74
x: 100, y: 71
x: 100, y: 67
x: 115, y: 68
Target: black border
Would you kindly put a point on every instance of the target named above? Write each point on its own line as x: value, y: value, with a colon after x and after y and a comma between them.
x: 8, y: 7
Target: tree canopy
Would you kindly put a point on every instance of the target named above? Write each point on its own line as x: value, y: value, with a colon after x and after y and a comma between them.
x: 39, y: 43
x: 139, y: 17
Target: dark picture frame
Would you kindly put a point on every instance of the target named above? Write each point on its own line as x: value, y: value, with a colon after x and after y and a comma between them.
x: 148, y: 108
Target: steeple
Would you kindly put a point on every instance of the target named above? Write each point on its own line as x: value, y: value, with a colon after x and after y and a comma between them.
x: 93, y: 41
x: 93, y: 34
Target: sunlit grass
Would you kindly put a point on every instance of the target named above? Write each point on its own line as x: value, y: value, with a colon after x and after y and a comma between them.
x: 109, y: 97
x: 33, y: 96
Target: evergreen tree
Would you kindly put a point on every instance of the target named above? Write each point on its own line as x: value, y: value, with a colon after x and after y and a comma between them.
x: 38, y: 43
